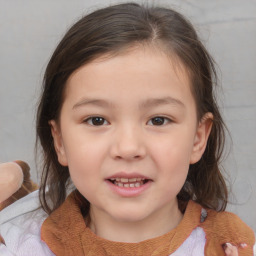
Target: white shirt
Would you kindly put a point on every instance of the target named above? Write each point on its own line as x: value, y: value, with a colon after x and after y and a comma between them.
x: 20, y: 225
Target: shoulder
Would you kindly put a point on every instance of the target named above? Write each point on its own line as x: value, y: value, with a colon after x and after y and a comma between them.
x: 18, y: 208
x: 228, y: 224
x: 20, y: 227
x: 223, y: 227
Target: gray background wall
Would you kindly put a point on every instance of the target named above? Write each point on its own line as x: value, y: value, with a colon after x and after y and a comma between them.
x: 30, y: 30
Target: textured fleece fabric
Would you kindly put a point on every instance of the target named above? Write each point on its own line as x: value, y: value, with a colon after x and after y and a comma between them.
x: 28, y: 231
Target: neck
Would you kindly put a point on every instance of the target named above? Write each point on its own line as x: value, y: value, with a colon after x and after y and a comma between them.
x: 150, y: 227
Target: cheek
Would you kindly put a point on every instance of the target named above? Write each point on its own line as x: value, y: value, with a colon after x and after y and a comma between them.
x: 84, y: 174
x: 84, y: 149
x: 85, y: 156
x: 173, y: 151
x: 172, y: 159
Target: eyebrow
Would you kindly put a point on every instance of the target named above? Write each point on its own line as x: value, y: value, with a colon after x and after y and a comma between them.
x: 146, y: 104
x: 96, y: 102
x: 162, y: 101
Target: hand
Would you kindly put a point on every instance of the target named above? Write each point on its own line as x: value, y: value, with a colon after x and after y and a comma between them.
x: 15, y: 182
x: 11, y: 179
x: 232, y: 250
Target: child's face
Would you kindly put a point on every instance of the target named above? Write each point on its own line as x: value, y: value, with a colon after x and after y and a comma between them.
x: 129, y: 117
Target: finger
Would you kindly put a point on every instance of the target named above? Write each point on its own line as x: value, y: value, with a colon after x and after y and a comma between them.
x: 230, y: 250
x: 243, y: 245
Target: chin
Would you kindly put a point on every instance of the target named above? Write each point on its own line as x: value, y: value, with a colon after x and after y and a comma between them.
x: 130, y: 216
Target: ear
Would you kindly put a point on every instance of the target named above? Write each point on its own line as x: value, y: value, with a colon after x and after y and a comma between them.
x: 58, y: 143
x: 201, y: 137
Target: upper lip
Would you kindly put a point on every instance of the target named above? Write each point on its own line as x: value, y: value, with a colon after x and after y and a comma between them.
x: 127, y: 176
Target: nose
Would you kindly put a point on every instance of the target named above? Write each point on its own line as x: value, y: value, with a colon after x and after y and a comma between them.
x: 128, y: 144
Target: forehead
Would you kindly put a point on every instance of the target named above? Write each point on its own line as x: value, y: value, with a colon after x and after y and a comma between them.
x: 144, y: 68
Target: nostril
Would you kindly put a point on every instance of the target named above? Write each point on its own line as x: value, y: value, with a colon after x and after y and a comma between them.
x: 127, y: 150
x: 125, y: 157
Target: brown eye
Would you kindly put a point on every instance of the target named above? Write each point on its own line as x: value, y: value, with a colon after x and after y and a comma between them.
x: 96, y: 121
x: 159, y: 120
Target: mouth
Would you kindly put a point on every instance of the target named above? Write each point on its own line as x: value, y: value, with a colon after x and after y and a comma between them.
x: 129, y: 182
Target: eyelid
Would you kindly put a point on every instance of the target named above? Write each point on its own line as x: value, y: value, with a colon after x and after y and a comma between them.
x: 88, y: 120
x: 168, y: 119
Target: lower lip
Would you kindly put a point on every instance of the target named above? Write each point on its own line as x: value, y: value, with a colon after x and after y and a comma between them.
x: 128, y: 192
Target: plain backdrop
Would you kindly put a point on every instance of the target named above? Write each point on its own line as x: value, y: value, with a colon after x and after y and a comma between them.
x: 30, y: 30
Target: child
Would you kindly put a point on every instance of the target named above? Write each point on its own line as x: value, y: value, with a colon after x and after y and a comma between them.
x: 128, y: 114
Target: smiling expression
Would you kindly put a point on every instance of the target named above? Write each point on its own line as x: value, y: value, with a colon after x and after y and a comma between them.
x: 128, y: 131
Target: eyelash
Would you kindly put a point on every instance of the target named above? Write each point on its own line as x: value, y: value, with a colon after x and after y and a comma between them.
x: 165, y: 120
x: 91, y: 119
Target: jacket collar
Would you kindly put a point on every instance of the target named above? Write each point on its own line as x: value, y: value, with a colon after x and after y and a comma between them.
x: 66, y: 233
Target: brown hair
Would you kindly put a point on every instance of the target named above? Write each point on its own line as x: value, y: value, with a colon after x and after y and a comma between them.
x: 112, y: 30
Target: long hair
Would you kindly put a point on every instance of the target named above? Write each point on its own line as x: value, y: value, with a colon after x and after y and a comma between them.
x: 112, y: 30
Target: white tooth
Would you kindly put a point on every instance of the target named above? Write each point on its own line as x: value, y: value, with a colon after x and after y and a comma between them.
x: 138, y: 179
x: 117, y: 179
x: 124, y: 180
x: 137, y: 184
x: 132, y: 185
x: 112, y: 179
x: 126, y: 185
x: 132, y: 180
x: 120, y: 184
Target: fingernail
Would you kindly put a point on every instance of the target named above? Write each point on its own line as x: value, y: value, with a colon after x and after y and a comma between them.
x: 229, y: 245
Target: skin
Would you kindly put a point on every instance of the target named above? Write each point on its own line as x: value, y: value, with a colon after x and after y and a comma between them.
x: 128, y: 140
x: 128, y: 91
x: 232, y: 250
x: 7, y: 168
x: 11, y: 178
